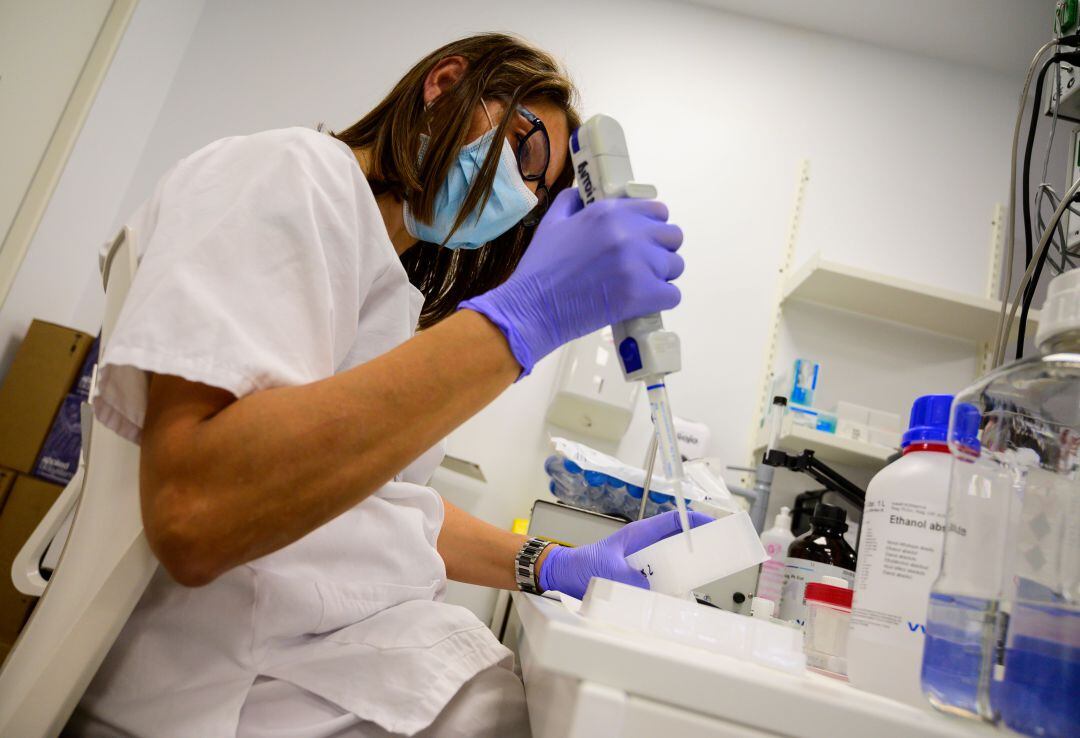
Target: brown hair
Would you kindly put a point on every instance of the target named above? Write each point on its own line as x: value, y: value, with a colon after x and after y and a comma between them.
x: 498, y: 67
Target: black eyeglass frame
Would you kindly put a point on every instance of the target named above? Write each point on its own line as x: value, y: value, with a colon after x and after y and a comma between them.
x: 533, y: 217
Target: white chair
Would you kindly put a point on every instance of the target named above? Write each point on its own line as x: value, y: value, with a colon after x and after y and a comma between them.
x: 103, y: 569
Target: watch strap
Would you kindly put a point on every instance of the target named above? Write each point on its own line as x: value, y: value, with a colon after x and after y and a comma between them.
x: 525, y: 564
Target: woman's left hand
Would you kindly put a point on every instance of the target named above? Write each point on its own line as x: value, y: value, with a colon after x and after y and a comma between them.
x: 569, y: 570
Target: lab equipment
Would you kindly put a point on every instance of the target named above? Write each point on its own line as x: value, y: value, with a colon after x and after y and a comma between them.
x: 567, y: 480
x: 510, y: 199
x: 632, y: 503
x: 809, y: 417
x: 805, y: 502
x: 569, y: 570
x: 903, y: 529
x: 584, y: 477
x: 647, y: 352
x: 721, y: 548
x: 826, y: 422
x: 804, y: 416
x: 776, y: 540
x: 586, y: 678
x: 820, y: 552
x: 776, y: 421
x: 595, y: 489
x: 1053, y: 241
x: 1003, y: 626
x: 828, y: 612
x: 547, y: 301
x: 805, y: 382
x: 750, y: 640
x: 867, y: 425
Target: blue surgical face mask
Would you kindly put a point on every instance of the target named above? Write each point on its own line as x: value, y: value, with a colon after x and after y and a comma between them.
x: 509, y: 202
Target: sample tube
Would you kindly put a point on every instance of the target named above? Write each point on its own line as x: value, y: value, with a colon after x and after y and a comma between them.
x: 776, y: 422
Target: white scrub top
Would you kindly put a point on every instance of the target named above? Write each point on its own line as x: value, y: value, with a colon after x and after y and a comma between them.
x: 265, y: 263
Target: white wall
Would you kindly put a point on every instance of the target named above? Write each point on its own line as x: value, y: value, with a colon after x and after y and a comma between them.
x: 908, y: 157
x: 58, y: 279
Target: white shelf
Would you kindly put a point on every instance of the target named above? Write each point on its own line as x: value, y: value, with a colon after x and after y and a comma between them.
x: 828, y: 447
x: 888, y: 298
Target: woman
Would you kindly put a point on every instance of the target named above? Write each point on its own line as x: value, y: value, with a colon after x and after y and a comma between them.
x: 289, y: 418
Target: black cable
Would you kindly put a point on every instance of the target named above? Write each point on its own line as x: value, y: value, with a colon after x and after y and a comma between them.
x: 1029, y: 145
x: 1029, y: 296
x: 1025, y: 179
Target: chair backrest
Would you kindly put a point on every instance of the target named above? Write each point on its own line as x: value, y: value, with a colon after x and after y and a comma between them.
x: 103, y: 570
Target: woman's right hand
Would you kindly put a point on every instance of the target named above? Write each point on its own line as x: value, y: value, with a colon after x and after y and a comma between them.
x: 585, y: 268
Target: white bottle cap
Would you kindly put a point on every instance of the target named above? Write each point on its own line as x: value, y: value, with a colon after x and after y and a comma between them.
x: 1061, y: 311
x: 835, y: 582
x: 761, y: 607
x: 783, y: 518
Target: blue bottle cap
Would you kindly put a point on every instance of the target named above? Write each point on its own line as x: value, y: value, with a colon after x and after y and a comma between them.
x: 929, y: 420
x: 572, y: 467
x: 965, y: 427
x: 595, y: 478
x: 634, y: 491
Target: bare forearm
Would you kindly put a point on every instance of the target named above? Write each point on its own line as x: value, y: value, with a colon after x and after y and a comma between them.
x: 274, y: 465
x: 476, y: 552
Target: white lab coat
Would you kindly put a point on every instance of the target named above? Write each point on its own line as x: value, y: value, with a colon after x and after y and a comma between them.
x: 264, y: 263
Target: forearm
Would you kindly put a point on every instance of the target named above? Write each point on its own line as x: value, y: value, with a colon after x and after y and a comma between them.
x: 271, y: 467
x: 476, y: 552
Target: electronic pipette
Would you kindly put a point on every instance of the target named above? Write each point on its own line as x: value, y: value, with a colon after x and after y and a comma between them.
x: 646, y: 351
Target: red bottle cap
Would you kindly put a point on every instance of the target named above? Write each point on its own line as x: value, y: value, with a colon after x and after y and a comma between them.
x: 830, y: 595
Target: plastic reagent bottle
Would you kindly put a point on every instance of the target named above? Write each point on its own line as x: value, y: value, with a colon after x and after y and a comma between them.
x: 1003, y: 624
x: 776, y: 541
x: 820, y: 552
x: 903, y: 529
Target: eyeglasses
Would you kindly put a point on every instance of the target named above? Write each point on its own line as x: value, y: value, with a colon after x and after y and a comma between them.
x: 533, y: 156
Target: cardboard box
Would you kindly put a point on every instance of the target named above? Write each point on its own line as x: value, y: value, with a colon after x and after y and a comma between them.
x: 59, y: 456
x: 45, y: 367
x: 7, y: 478
x: 27, y: 503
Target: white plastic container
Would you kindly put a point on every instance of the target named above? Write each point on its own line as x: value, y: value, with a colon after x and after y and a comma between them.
x: 899, y: 557
x: 776, y: 541
x: 760, y: 640
x: 720, y: 548
x: 828, y: 612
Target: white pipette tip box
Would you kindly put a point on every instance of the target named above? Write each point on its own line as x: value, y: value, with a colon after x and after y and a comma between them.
x: 760, y: 640
x: 719, y: 549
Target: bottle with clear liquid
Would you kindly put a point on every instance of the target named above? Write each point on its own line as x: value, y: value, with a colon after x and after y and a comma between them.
x: 1003, y: 623
x: 899, y: 555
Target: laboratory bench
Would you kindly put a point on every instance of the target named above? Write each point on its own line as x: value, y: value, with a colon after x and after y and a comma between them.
x: 584, y: 679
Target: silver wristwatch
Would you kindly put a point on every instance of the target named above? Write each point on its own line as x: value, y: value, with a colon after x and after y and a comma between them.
x: 525, y: 565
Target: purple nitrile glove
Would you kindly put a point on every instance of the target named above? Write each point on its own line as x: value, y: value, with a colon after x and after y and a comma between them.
x: 569, y: 570
x: 586, y: 267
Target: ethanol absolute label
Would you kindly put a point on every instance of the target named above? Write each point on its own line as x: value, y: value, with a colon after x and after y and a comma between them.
x: 899, y: 558
x: 797, y: 574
